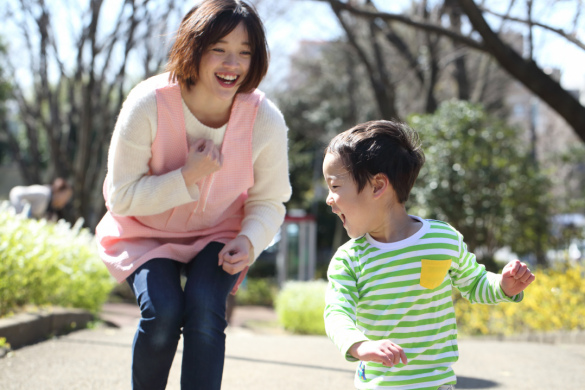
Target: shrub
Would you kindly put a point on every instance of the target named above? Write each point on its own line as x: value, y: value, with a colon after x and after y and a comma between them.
x: 554, y: 302
x: 44, y: 263
x: 300, y: 307
x: 257, y: 291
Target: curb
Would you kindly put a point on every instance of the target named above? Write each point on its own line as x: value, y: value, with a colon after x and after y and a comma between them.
x: 28, y: 328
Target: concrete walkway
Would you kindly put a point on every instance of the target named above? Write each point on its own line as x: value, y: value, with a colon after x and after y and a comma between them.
x: 264, y: 357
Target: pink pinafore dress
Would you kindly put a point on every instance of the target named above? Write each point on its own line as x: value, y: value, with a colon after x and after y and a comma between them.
x: 125, y: 243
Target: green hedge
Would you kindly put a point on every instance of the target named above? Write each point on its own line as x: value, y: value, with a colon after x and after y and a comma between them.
x: 257, y: 291
x: 44, y: 263
x: 300, y: 307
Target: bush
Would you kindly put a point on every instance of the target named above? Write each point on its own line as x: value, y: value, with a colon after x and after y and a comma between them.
x: 257, y: 291
x: 554, y: 302
x: 300, y: 307
x: 43, y: 263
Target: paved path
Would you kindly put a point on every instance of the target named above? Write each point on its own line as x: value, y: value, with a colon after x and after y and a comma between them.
x: 270, y: 359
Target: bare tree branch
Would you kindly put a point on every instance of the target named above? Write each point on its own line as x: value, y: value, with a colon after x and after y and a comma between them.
x: 407, y: 21
x: 527, y: 72
x: 569, y: 36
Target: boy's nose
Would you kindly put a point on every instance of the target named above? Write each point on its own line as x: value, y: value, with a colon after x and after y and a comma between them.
x: 329, y: 200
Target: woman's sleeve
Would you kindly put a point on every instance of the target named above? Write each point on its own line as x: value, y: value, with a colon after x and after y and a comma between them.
x: 131, y: 190
x: 264, y: 209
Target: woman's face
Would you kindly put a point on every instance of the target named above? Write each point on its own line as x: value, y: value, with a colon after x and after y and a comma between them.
x: 224, y: 65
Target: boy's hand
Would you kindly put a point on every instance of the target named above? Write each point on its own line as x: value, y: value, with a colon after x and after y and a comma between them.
x: 236, y: 255
x: 381, y: 351
x: 515, y: 278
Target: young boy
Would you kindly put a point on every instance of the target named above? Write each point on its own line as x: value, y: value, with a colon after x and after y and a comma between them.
x: 388, y: 302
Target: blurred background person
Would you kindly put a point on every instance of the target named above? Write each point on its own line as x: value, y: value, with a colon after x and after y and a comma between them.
x: 41, y: 201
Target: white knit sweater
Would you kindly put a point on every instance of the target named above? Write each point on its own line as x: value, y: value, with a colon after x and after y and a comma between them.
x: 132, y: 192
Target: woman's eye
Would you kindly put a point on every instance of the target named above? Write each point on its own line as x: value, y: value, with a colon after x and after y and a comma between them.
x: 218, y: 50
x: 247, y: 53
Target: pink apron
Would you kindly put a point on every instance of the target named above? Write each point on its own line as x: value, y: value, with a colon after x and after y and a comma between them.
x: 125, y: 243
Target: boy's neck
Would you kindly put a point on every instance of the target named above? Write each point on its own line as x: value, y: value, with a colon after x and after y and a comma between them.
x: 396, y: 225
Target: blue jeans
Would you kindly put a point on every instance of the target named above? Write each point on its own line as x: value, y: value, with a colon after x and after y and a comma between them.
x: 199, y: 311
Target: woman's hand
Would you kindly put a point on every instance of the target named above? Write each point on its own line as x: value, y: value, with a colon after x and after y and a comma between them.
x: 236, y: 255
x: 203, y: 159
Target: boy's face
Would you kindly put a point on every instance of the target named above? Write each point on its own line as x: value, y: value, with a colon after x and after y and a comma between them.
x: 353, y: 208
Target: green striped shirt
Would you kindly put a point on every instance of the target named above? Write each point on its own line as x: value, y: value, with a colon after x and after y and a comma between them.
x: 401, y: 291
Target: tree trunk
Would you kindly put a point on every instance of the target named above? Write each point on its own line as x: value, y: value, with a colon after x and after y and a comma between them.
x: 527, y: 72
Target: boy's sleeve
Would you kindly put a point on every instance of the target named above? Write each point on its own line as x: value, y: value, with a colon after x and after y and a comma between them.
x: 341, y: 301
x: 475, y: 283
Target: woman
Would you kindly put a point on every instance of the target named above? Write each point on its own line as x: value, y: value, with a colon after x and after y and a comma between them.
x: 196, y: 185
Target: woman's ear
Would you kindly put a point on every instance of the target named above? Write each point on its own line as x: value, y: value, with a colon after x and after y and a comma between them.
x: 380, y: 184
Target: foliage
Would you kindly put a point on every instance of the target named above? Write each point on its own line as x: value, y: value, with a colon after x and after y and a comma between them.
x: 319, y: 102
x: 300, y: 307
x: 72, y: 82
x: 554, y: 302
x: 257, y: 291
x: 45, y: 263
x: 573, y: 180
x: 480, y: 178
x: 4, y: 96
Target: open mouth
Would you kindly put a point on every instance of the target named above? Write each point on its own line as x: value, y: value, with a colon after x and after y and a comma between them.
x: 227, y: 79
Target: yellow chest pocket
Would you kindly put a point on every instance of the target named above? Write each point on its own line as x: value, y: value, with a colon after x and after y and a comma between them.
x: 433, y: 272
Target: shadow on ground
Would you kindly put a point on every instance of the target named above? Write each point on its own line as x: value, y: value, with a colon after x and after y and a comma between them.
x: 465, y: 383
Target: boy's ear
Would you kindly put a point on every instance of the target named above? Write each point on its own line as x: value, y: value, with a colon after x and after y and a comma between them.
x: 380, y: 184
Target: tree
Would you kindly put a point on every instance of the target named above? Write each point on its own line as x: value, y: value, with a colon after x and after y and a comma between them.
x: 75, y: 65
x: 4, y: 96
x: 480, y: 178
x: 483, y: 37
x: 322, y: 97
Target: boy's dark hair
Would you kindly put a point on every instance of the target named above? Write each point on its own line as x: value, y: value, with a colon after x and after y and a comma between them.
x: 387, y: 147
x: 207, y: 23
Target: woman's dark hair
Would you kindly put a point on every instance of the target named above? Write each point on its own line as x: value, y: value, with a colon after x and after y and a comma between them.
x: 204, y: 25
x: 386, y: 147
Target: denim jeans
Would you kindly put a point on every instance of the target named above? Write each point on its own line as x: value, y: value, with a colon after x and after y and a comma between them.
x: 198, y: 311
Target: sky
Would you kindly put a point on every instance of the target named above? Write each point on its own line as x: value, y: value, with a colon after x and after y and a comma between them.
x: 311, y: 20
x: 288, y: 22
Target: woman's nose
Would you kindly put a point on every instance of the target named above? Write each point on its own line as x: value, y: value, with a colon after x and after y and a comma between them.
x: 230, y: 60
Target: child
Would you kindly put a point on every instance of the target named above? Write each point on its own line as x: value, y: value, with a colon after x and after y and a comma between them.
x: 388, y: 303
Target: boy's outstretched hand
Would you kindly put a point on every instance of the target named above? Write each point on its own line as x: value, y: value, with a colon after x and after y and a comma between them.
x: 515, y: 278
x: 380, y: 351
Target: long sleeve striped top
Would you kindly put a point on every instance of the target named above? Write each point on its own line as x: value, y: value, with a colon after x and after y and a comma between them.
x: 401, y: 291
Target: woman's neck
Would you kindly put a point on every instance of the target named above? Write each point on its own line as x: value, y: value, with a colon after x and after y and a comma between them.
x: 211, y: 112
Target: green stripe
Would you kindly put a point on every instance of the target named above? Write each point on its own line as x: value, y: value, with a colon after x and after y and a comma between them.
x: 410, y: 313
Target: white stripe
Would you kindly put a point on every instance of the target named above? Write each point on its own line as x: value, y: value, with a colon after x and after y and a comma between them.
x: 415, y: 339
x: 417, y: 317
x: 390, y: 303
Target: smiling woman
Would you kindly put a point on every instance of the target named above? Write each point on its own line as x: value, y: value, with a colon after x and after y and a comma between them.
x: 196, y: 184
